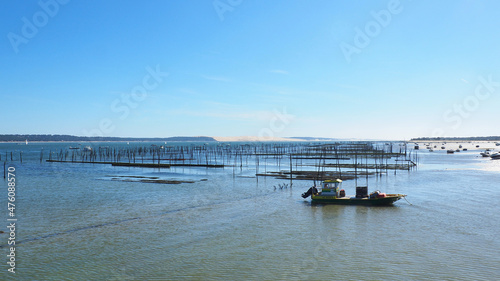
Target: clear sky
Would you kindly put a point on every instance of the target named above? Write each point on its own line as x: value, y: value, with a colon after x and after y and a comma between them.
x: 343, y: 69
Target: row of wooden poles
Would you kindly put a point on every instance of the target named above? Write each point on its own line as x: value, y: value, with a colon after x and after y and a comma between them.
x: 223, y: 154
x: 239, y: 155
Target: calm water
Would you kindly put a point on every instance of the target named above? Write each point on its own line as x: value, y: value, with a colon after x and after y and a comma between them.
x: 75, y: 223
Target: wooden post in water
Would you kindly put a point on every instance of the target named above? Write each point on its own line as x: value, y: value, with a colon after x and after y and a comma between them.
x: 356, y: 169
x: 4, y: 163
x: 234, y: 163
x: 366, y: 170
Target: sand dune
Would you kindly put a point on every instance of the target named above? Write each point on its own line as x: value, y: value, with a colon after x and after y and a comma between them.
x: 252, y: 138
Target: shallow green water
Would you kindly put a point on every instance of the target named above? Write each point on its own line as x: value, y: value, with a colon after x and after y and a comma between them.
x: 74, y: 223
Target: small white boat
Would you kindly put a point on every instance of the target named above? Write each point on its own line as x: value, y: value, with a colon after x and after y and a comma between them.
x: 495, y: 156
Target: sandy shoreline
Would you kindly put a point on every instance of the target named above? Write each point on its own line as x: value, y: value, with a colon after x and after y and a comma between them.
x: 251, y: 139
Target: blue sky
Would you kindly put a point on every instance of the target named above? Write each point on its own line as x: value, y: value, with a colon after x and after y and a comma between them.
x: 342, y: 69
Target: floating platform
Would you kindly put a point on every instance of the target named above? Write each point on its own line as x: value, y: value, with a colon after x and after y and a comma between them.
x: 142, y: 165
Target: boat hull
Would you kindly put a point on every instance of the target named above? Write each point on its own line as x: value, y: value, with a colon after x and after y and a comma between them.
x: 385, y: 201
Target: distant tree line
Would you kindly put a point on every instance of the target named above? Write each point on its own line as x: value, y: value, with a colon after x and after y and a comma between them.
x: 490, y: 138
x: 69, y: 138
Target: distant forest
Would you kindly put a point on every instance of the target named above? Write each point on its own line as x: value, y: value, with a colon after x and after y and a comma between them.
x: 490, y: 138
x: 69, y: 138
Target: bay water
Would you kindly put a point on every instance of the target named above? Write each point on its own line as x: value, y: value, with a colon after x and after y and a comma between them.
x: 80, y: 221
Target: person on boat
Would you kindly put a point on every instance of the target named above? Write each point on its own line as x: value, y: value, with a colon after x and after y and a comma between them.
x: 312, y: 190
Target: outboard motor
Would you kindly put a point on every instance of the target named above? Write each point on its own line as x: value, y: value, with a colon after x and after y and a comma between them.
x: 309, y: 192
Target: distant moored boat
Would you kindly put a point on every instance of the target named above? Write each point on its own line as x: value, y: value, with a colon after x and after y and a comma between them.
x: 495, y: 156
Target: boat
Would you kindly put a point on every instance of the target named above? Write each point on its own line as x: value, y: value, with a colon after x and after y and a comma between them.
x: 331, y: 193
x: 450, y: 151
x: 485, y: 154
x: 495, y: 156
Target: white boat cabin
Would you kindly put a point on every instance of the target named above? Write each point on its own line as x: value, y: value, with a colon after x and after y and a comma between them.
x: 331, y: 187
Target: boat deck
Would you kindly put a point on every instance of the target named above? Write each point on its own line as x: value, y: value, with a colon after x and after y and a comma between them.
x: 354, y: 197
x: 352, y: 200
